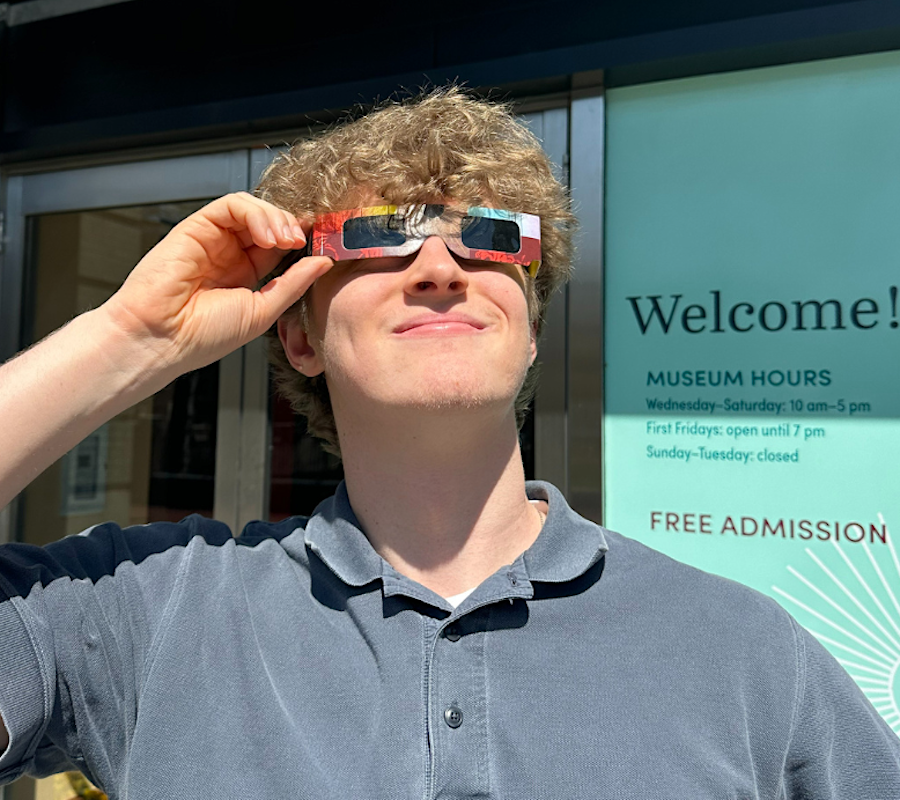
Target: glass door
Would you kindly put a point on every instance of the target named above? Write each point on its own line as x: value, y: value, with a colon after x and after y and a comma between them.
x: 155, y: 461
x: 72, y: 236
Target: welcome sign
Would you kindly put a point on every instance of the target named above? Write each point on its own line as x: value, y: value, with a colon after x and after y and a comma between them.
x: 752, y: 346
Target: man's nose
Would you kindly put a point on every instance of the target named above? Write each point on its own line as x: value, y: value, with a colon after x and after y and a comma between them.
x: 435, y: 271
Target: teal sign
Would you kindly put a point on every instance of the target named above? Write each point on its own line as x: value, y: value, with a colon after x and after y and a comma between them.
x: 752, y: 340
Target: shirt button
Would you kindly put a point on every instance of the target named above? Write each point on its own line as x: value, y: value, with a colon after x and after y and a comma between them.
x: 451, y: 632
x: 453, y: 716
x: 511, y: 576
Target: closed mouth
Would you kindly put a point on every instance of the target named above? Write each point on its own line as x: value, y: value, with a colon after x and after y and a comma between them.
x: 441, y: 323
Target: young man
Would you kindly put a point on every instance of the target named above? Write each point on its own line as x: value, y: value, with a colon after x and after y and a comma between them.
x: 438, y: 628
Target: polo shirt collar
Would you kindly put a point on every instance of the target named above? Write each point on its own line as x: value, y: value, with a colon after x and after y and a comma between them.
x: 566, y: 548
x: 568, y: 545
x: 334, y: 534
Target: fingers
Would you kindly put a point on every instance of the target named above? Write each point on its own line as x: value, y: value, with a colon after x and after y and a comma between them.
x: 256, y: 222
x: 242, y: 222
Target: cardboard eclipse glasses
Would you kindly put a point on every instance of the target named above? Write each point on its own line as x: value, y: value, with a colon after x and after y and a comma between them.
x: 479, y: 234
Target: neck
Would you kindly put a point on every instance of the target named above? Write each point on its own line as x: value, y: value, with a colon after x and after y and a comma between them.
x: 441, y: 499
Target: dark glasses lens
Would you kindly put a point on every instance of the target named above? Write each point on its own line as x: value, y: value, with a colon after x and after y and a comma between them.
x: 377, y: 231
x: 486, y: 233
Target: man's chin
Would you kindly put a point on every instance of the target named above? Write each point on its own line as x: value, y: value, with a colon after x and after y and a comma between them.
x: 438, y: 388
x: 433, y: 399
x: 447, y: 397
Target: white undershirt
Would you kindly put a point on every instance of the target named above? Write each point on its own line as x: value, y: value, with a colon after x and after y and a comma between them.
x: 456, y: 599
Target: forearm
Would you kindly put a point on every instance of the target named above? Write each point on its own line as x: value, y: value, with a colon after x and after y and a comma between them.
x: 55, y: 394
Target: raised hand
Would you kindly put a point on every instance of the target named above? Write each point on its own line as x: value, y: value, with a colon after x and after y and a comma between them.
x: 192, y: 299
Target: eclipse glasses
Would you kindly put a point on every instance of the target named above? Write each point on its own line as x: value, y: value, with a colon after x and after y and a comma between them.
x: 476, y: 233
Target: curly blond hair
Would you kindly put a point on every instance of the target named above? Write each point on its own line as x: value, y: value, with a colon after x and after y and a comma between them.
x: 443, y: 143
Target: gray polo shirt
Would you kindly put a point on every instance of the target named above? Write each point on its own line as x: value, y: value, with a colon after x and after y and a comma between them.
x: 172, y: 660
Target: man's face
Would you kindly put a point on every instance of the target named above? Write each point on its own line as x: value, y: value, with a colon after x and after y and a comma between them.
x: 428, y: 330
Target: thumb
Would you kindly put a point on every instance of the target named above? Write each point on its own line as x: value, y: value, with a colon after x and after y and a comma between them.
x: 279, y: 294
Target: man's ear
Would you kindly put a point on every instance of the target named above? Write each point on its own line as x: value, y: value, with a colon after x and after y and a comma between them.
x: 532, y: 345
x: 297, y: 347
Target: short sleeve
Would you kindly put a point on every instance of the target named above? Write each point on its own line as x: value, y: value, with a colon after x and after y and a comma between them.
x: 78, y: 621
x: 840, y: 746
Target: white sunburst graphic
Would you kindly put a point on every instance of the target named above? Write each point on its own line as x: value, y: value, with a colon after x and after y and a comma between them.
x: 861, y: 629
